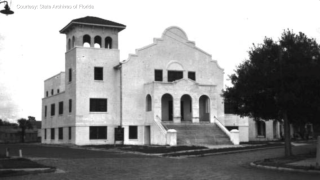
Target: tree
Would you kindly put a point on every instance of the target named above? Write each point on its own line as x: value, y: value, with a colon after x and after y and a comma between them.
x: 279, y: 81
x: 23, y: 125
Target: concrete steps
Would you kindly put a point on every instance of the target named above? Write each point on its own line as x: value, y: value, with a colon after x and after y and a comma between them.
x: 198, y: 134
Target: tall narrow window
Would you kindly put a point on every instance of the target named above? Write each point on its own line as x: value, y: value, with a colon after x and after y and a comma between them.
x: 45, y: 133
x: 52, y: 109
x: 60, y: 133
x: 60, y: 107
x: 58, y: 91
x: 174, y: 75
x: 45, y: 111
x: 52, y: 133
x: 108, y: 42
x: 148, y: 103
x: 70, y: 105
x: 98, y: 105
x: 158, y: 75
x: 98, y: 73
x: 47, y: 93
x: 133, y: 132
x: 98, y: 132
x: 52, y: 92
x: 69, y: 132
x: 70, y: 74
x: 192, y: 75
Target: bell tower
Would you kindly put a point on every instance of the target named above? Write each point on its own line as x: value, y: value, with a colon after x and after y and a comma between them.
x: 91, y: 83
x: 92, y: 32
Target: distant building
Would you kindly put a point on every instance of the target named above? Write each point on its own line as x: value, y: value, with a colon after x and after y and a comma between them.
x: 166, y: 93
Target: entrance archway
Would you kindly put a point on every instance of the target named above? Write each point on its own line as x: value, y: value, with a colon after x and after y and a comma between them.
x: 204, y: 108
x: 186, y: 108
x: 167, y: 107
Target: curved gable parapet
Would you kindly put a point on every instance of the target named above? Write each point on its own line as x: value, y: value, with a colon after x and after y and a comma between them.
x: 176, y: 32
x: 215, y: 61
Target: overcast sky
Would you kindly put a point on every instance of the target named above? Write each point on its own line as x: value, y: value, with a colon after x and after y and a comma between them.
x: 32, y: 49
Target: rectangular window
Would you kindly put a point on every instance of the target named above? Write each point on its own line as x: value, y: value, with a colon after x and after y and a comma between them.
x: 53, y: 108
x: 45, y: 111
x: 70, y: 74
x: 52, y: 92
x: 69, y: 132
x: 98, y: 73
x: 98, y: 105
x: 60, y: 133
x: 133, y: 132
x: 47, y: 93
x: 192, y: 75
x: 174, y: 75
x: 58, y: 91
x: 52, y: 133
x: 45, y: 133
x: 98, y: 132
x: 60, y: 107
x: 70, y: 105
x: 158, y: 75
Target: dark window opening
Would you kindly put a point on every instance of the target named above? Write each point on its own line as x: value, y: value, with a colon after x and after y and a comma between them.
x: 58, y: 91
x: 70, y: 105
x: 98, y: 105
x: 97, y: 42
x: 47, y: 93
x: 86, y: 41
x: 70, y: 74
x: 60, y: 107
x: 45, y: 133
x: 133, y: 132
x: 261, y: 128
x: 45, y: 111
x: 53, y: 109
x: 52, y: 133
x: 69, y: 132
x: 73, y: 42
x: 69, y: 44
x: 158, y: 75
x: 149, y: 103
x: 98, y: 73
x: 108, y: 43
x: 52, y: 92
x: 174, y: 75
x: 192, y: 75
x: 60, y: 133
x: 98, y: 132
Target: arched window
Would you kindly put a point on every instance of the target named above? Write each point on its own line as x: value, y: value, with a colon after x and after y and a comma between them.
x: 108, y: 42
x: 73, y: 42
x: 69, y: 44
x: 204, y: 108
x: 86, y: 41
x: 261, y: 128
x: 97, y: 42
x: 148, y: 103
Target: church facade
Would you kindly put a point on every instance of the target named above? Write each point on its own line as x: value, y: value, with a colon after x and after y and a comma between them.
x: 100, y: 100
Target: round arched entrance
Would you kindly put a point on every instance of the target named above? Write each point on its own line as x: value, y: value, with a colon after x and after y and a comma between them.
x: 186, y: 108
x: 167, y: 107
x: 204, y: 108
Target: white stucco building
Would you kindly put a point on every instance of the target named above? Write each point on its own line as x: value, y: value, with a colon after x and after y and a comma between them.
x: 167, y: 93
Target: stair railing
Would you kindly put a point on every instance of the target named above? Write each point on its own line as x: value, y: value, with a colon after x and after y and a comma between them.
x: 163, y: 128
x: 222, y: 127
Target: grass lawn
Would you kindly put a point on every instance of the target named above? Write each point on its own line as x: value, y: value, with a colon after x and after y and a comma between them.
x: 149, y: 149
x: 284, y: 161
x: 19, y: 163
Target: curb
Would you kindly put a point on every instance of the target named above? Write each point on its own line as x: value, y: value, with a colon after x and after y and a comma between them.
x: 284, y: 168
x: 221, y: 153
